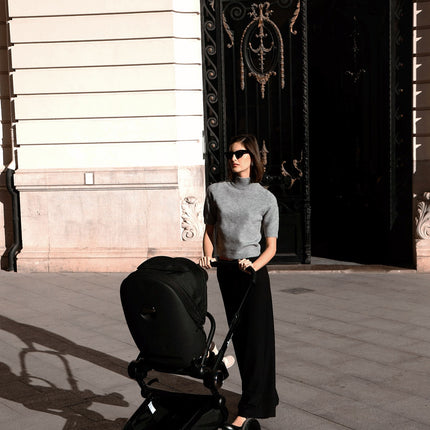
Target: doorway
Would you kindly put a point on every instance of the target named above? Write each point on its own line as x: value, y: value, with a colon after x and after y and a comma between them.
x: 326, y: 86
x: 360, y: 59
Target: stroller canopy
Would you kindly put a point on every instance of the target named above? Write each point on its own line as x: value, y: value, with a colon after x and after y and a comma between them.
x: 165, y: 305
x: 186, y: 278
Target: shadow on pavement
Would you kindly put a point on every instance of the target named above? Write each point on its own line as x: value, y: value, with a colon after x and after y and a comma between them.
x: 40, y: 394
x: 73, y: 404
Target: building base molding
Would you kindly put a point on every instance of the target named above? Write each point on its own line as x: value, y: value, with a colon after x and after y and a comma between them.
x: 108, y: 220
x: 423, y: 255
x: 97, y: 260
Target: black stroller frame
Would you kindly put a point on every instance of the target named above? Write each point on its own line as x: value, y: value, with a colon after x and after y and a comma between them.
x: 160, y: 287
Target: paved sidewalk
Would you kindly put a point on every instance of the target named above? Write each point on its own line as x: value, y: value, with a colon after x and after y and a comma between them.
x: 353, y: 351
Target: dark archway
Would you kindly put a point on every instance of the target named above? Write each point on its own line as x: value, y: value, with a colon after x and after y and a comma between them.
x: 338, y: 127
x: 360, y: 62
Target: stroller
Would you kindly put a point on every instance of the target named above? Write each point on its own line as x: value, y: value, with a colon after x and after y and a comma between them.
x: 165, y: 306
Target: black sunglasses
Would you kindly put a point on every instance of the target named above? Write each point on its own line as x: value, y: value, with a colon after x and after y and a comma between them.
x: 238, y: 154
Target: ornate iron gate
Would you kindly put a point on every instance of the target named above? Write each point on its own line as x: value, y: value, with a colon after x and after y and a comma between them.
x: 255, y: 81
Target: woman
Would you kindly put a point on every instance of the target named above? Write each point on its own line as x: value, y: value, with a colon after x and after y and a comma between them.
x: 235, y: 213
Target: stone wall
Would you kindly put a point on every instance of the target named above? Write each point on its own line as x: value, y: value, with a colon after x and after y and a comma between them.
x: 107, y: 119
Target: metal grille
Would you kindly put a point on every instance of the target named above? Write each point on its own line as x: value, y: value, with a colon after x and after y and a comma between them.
x: 255, y: 81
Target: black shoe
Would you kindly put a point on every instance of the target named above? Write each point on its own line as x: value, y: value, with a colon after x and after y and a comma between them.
x: 249, y: 424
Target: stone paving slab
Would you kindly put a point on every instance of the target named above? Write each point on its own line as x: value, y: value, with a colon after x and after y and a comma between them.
x: 353, y: 351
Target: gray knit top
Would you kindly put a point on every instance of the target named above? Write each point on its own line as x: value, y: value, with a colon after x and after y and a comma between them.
x: 240, y: 212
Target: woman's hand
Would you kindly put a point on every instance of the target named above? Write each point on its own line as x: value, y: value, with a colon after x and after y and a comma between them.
x: 267, y: 255
x: 208, y: 247
x: 205, y: 262
x: 244, y: 264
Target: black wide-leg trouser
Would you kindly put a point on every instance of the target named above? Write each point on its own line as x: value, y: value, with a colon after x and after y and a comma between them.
x: 253, y: 339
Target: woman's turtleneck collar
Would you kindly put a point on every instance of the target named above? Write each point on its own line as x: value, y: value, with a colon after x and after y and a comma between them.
x: 241, y: 183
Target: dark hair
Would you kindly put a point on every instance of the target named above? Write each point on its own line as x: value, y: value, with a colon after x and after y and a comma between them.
x: 251, y: 144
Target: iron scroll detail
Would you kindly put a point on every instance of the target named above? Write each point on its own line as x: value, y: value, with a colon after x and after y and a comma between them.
x: 212, y: 105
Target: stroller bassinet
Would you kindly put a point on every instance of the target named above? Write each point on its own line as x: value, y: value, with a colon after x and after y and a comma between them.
x: 165, y: 306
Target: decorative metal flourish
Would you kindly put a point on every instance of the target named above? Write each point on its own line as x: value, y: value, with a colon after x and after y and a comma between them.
x: 228, y: 31
x: 264, y: 153
x: 191, y: 218
x: 356, y: 73
x: 294, y: 18
x: 296, y: 164
x: 225, y: 25
x: 423, y: 217
x: 261, y: 27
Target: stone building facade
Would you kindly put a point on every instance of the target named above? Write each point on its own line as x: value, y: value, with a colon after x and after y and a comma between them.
x: 102, y: 119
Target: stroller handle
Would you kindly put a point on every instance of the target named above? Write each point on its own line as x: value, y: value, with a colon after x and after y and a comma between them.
x: 216, y: 262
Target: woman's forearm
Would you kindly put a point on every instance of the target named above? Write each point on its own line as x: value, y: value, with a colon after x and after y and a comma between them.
x: 266, y: 255
x: 208, y: 246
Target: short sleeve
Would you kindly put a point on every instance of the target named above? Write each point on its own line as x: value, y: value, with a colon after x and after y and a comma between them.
x: 271, y: 219
x: 209, y: 210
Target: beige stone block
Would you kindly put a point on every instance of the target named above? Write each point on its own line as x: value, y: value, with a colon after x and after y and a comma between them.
x: 92, y: 156
x: 66, y: 7
x: 131, y: 104
x: 150, y: 177
x: 108, y: 79
x: 153, y: 129
x: 107, y: 53
x: 42, y: 179
x: 191, y: 180
x: 34, y: 220
x: 104, y: 27
x: 423, y: 255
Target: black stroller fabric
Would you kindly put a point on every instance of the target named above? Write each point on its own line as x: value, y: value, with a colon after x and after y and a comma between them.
x: 186, y: 278
x: 174, y: 411
x: 165, y: 304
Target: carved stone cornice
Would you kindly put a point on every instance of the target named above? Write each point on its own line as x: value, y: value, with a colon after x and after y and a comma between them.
x: 422, y: 218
